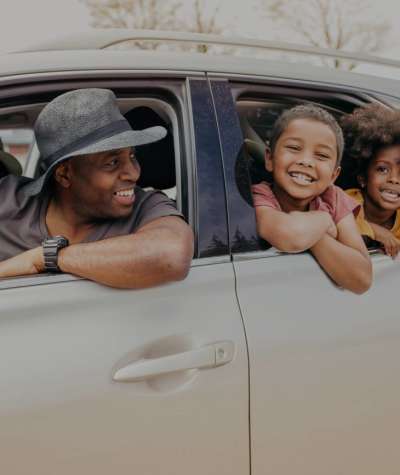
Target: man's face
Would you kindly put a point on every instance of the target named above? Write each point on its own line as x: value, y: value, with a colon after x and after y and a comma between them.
x: 383, y: 179
x: 102, y: 185
x: 304, y: 162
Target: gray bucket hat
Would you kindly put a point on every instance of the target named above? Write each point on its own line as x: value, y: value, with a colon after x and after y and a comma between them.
x: 80, y: 122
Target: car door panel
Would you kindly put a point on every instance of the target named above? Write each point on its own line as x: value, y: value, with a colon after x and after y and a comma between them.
x: 61, y: 411
x: 323, y: 368
x: 323, y: 362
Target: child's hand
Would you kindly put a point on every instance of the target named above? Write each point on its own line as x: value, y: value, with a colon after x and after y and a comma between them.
x: 390, y: 244
x: 332, y: 230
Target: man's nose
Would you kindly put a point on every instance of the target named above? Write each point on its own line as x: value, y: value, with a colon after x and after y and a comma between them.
x: 131, y: 171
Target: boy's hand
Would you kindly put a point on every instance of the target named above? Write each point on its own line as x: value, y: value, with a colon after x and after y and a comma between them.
x: 390, y: 244
x: 332, y: 229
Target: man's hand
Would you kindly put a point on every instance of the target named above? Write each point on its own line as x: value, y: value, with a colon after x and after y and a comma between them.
x: 390, y: 244
x: 26, y: 263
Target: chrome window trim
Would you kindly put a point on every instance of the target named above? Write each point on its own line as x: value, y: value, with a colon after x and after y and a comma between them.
x: 15, y: 79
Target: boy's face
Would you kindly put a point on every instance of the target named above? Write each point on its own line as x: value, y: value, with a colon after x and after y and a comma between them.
x: 383, y: 179
x: 303, y: 164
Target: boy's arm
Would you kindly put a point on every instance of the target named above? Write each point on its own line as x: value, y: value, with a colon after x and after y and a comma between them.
x: 295, y: 231
x: 385, y: 236
x: 345, y: 259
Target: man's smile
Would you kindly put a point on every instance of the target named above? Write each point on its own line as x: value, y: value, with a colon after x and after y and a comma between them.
x: 125, y: 196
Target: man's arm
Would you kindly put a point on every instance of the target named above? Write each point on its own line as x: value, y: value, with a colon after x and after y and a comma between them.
x: 295, y: 231
x: 159, y: 252
x: 345, y: 259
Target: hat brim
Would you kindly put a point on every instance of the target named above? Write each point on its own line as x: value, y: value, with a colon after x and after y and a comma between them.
x: 11, y: 163
x: 130, y: 138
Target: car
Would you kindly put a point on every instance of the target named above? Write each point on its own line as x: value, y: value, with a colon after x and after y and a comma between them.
x: 255, y: 363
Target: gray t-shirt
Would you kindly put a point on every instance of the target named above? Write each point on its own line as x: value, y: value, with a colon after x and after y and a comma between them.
x: 23, y: 219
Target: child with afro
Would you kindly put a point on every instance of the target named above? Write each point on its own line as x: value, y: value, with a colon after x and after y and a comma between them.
x: 372, y: 136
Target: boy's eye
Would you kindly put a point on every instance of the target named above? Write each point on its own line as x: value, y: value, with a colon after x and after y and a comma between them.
x: 293, y: 147
x: 323, y: 156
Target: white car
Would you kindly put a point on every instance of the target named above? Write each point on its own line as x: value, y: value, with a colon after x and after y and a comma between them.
x: 256, y: 363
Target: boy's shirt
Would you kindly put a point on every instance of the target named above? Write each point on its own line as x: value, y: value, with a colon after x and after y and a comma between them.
x: 363, y: 225
x: 334, y: 201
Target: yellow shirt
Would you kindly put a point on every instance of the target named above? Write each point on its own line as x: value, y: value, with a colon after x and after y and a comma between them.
x: 363, y: 225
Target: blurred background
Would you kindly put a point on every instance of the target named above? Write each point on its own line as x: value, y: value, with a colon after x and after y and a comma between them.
x: 366, y: 26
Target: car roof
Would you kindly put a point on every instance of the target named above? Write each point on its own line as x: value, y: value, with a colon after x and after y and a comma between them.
x: 84, y: 53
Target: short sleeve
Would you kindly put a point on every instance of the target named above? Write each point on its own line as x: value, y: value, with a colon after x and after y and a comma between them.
x: 264, y: 196
x: 339, y: 203
x: 156, y: 205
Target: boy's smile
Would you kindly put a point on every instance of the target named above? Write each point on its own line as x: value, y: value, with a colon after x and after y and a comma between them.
x: 304, y: 163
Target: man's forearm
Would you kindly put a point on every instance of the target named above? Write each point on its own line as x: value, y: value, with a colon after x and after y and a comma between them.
x: 139, y: 260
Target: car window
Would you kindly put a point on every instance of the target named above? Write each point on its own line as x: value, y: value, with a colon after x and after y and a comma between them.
x: 257, y: 111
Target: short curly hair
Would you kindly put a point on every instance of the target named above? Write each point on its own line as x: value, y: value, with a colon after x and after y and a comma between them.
x: 367, y: 130
x: 312, y: 112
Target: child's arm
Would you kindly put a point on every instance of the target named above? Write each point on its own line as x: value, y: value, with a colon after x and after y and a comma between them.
x: 345, y: 259
x: 384, y: 236
x: 295, y: 231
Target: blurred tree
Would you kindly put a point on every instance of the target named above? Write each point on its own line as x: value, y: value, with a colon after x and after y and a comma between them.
x: 338, y: 24
x: 198, y: 16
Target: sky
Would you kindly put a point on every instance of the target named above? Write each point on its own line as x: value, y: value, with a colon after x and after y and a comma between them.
x: 27, y: 22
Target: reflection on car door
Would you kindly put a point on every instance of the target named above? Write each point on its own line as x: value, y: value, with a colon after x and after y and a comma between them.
x: 324, y: 384
x: 85, y: 381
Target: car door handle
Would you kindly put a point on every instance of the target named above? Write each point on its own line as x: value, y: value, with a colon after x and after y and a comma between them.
x: 209, y: 356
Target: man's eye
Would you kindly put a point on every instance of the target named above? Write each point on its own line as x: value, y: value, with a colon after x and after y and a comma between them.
x: 293, y: 147
x: 111, y: 163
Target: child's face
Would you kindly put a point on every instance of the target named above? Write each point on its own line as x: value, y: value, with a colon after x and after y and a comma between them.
x: 303, y: 164
x: 382, y: 185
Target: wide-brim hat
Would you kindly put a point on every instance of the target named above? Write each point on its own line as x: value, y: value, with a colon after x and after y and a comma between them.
x: 11, y: 164
x: 81, y: 122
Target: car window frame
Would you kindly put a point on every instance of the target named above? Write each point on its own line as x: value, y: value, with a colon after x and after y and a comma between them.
x: 192, y: 177
x: 241, y: 214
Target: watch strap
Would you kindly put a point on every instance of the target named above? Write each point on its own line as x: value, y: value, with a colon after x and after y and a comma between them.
x: 51, y: 247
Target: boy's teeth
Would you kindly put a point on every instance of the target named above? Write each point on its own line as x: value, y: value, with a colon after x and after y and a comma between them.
x: 300, y: 176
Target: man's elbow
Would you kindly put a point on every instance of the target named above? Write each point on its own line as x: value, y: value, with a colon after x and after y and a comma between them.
x: 179, y: 257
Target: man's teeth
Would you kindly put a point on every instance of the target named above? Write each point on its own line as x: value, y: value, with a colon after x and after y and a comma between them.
x: 300, y: 176
x: 127, y: 193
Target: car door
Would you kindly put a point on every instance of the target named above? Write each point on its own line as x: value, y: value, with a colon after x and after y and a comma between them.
x: 155, y: 381
x: 324, y: 383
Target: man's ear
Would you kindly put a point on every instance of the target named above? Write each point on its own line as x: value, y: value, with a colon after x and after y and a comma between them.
x: 336, y: 173
x: 269, y: 166
x: 62, y: 174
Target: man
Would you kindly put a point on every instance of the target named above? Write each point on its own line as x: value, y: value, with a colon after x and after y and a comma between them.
x: 85, y: 215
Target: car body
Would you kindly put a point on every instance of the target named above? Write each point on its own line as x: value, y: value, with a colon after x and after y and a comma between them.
x: 256, y: 362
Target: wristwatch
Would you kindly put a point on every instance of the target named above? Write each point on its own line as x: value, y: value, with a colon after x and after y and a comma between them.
x: 51, y: 246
